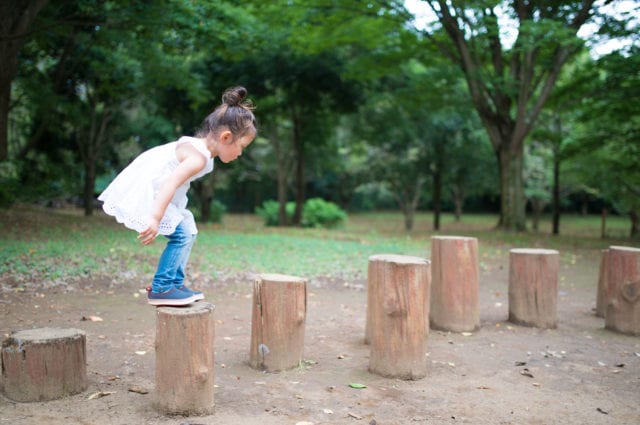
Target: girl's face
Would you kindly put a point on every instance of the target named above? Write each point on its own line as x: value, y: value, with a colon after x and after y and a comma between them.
x: 229, y: 149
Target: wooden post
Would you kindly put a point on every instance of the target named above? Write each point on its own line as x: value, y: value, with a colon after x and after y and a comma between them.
x: 455, y: 284
x: 602, y: 298
x: 43, y: 364
x: 623, y: 290
x: 533, y: 287
x: 278, y: 322
x: 184, y: 359
x: 398, y: 311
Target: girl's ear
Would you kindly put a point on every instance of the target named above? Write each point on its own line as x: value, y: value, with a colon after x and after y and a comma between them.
x: 226, y: 137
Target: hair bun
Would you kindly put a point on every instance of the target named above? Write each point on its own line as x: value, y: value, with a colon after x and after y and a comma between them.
x: 234, y: 96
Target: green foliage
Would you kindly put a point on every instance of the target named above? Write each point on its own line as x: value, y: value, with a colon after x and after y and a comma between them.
x: 316, y: 213
x: 269, y: 212
x: 217, y: 211
x: 319, y: 213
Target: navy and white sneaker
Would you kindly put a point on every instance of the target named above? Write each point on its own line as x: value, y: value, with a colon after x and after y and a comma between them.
x: 199, y: 295
x: 173, y: 296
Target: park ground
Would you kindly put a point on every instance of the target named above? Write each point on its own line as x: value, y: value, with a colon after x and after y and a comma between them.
x: 502, y: 373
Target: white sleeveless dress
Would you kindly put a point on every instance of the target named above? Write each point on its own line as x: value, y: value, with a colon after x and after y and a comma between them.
x: 130, y: 196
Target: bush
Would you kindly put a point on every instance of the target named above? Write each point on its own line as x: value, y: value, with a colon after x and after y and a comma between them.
x: 217, y: 210
x: 316, y: 213
x: 269, y: 212
x: 319, y: 213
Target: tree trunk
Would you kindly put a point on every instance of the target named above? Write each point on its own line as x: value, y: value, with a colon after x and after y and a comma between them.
x: 437, y: 199
x: 635, y: 224
x: 43, y: 364
x: 457, y: 194
x: 15, y: 19
x: 278, y: 322
x: 556, y: 183
x: 455, y: 284
x: 298, y: 146
x: 89, y: 187
x: 533, y: 287
x: 512, y: 199
x: 185, y: 359
x: 398, y: 315
x: 623, y: 290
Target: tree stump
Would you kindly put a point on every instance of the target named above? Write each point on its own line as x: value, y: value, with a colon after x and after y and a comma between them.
x: 454, y: 284
x: 623, y: 290
x: 533, y: 287
x: 278, y: 322
x: 184, y: 359
x: 398, y: 311
x: 44, y: 364
x: 602, y: 297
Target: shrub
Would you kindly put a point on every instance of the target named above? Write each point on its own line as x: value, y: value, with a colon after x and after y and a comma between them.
x: 269, y: 212
x: 319, y: 213
x: 316, y: 213
x: 217, y: 210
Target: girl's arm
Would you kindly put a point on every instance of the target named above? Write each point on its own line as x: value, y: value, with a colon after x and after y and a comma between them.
x: 191, y: 162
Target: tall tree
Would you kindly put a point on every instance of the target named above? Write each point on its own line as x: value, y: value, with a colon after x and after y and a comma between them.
x: 16, y: 18
x: 509, y: 85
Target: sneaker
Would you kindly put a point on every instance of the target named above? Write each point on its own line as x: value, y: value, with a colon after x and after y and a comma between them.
x: 199, y: 295
x: 173, y: 296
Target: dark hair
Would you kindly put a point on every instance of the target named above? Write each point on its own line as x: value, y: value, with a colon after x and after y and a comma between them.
x: 235, y: 114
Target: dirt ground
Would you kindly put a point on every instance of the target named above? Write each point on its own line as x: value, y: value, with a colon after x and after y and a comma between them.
x: 579, y: 373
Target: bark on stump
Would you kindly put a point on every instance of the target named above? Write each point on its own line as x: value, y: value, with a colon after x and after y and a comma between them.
x: 623, y: 290
x: 185, y: 359
x: 454, y: 284
x: 278, y: 322
x: 398, y: 312
x: 533, y: 287
x: 602, y: 297
x: 43, y: 364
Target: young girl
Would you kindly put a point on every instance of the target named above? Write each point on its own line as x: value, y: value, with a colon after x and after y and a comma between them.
x: 150, y: 194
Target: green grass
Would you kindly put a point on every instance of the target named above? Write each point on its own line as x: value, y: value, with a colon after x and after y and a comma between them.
x: 50, y: 244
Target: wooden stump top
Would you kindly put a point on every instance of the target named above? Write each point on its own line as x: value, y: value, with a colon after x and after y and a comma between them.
x: 625, y: 249
x: 399, y: 259
x: 275, y: 277
x: 41, y: 335
x: 453, y: 238
x: 199, y: 307
x: 534, y: 251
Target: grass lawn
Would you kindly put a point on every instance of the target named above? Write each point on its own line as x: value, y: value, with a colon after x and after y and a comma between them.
x: 52, y: 244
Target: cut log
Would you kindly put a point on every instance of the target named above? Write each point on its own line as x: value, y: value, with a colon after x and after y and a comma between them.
x: 398, y: 311
x: 602, y: 298
x: 44, y: 364
x: 454, y: 284
x: 623, y: 290
x: 533, y: 287
x: 278, y: 322
x: 185, y: 359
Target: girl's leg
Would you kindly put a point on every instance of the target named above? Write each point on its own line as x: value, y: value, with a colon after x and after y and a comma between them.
x: 174, y: 256
x: 182, y: 268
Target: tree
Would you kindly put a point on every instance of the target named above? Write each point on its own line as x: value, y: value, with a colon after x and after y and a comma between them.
x: 16, y: 18
x: 509, y: 85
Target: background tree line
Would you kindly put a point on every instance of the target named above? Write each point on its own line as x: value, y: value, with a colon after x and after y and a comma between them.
x: 492, y: 105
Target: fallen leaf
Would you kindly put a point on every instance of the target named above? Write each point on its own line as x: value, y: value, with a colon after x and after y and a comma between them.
x: 92, y: 318
x: 328, y: 411
x: 604, y: 412
x: 141, y: 353
x: 357, y: 386
x: 525, y: 372
x: 521, y: 363
x: 99, y: 394
x: 138, y: 389
x: 466, y: 334
x: 354, y: 416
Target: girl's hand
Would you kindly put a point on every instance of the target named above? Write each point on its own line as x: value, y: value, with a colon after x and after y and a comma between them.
x: 149, y: 234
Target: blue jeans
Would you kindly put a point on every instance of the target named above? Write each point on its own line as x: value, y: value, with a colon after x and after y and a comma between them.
x: 173, y: 261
